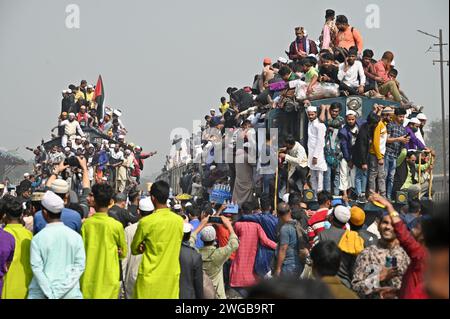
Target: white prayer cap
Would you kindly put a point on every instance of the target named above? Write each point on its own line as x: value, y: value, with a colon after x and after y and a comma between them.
x: 90, y: 86
x: 60, y: 186
x: 26, y: 175
x: 91, y: 146
x: 212, y: 110
x: 52, y: 202
x: 351, y: 112
x: 421, y: 116
x: 113, y: 145
x: 282, y: 60
x: 127, y: 151
x: 104, y: 178
x: 208, y: 233
x: 187, y: 228
x: 72, y: 114
x: 342, y: 213
x: 212, y: 167
x: 64, y: 91
x: 69, y: 91
x: 286, y: 198
x: 83, y: 138
x: 117, y: 112
x: 188, y: 204
x: 83, y: 107
x: 414, y: 120
x: 177, y: 206
x: 104, y: 141
x: 146, y: 205
x: 311, y: 109
x: 137, y: 146
x: 67, y: 149
x: 78, y: 137
x: 121, y: 136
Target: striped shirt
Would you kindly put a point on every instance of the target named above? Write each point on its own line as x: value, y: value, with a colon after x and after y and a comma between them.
x: 316, y: 224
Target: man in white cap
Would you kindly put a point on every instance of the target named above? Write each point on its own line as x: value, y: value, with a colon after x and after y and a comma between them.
x: 116, y: 160
x: 130, y: 264
x: 212, y: 112
x: 67, y: 100
x: 90, y: 95
x: 316, y: 144
x: 347, y: 139
x: 78, y: 143
x: 57, y: 256
x: 214, y: 258
x: 116, y: 116
x: 191, y: 268
x: 121, y: 139
x: 420, y: 134
x: 339, y: 217
x: 71, y: 128
x: 411, y: 129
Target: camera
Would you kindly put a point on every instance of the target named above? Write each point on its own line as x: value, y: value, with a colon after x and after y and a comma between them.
x: 215, y: 220
x: 72, y: 161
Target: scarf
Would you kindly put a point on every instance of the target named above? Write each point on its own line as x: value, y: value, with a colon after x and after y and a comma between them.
x: 304, y: 44
x: 351, y: 243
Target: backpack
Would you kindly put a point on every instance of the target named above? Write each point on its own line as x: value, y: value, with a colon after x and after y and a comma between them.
x: 330, y: 153
x: 302, y: 239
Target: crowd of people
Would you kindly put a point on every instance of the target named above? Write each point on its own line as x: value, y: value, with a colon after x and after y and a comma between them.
x: 84, y: 132
x: 69, y: 233
x: 346, y: 154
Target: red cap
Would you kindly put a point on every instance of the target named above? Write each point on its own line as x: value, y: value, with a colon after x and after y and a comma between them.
x: 267, y: 61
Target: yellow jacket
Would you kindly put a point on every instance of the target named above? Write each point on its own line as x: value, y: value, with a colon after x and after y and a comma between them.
x: 19, y: 275
x: 379, y: 139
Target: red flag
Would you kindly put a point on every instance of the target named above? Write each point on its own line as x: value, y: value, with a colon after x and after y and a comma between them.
x: 99, y: 96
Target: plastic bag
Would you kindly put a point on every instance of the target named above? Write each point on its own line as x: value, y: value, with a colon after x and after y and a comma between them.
x: 322, y: 90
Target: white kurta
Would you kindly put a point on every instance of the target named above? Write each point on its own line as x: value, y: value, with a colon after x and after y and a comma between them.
x: 316, y: 144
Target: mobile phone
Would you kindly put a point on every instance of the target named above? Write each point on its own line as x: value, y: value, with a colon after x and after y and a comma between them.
x: 394, y: 261
x: 215, y: 220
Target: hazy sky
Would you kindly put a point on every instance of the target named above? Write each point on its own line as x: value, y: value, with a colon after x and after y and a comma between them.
x: 167, y: 63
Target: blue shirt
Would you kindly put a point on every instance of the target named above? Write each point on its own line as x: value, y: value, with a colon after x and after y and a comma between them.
x: 69, y: 217
x: 195, y: 223
x: 288, y: 235
x: 267, y: 221
x: 57, y: 259
x: 264, y: 255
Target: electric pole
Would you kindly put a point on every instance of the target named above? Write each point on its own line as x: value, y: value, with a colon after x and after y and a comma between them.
x: 441, y: 62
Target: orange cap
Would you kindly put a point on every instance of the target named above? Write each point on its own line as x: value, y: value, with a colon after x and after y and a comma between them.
x: 267, y: 61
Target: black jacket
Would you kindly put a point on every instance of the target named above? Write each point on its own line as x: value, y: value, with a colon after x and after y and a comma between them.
x: 122, y: 215
x: 360, y: 151
x: 191, y: 275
